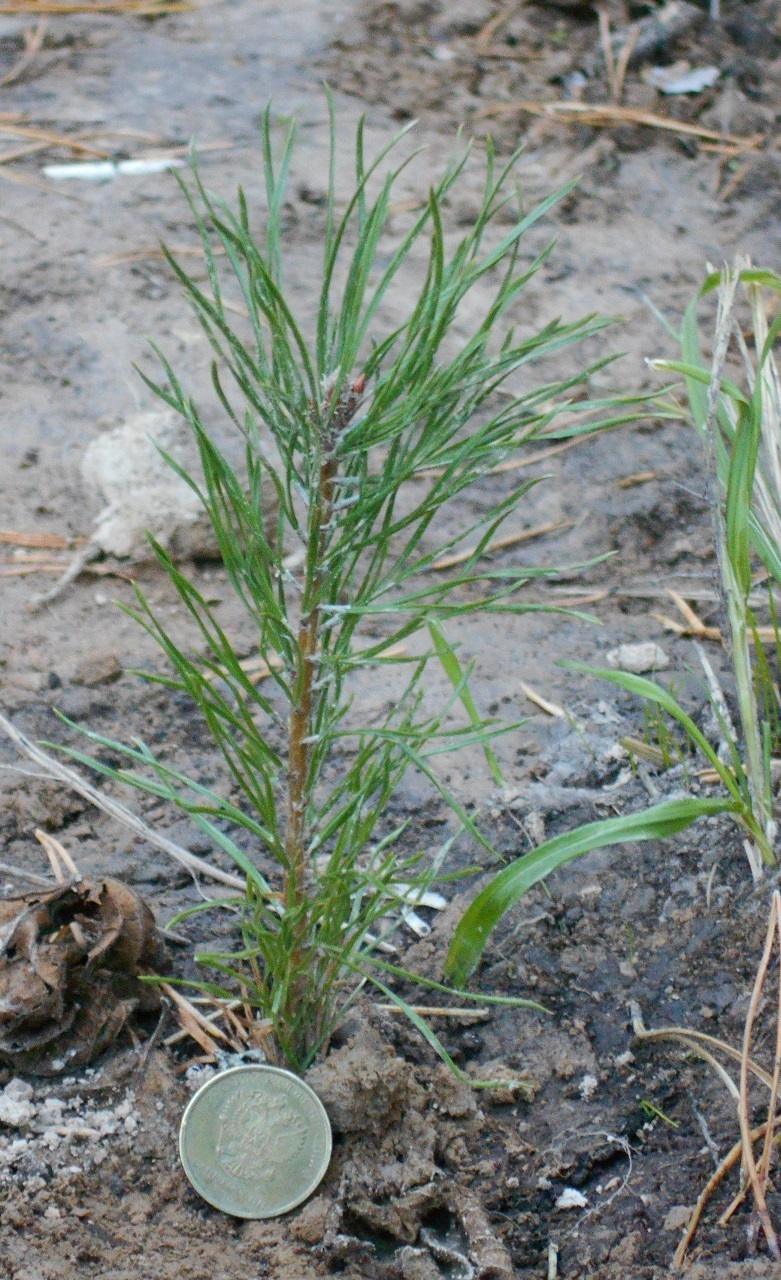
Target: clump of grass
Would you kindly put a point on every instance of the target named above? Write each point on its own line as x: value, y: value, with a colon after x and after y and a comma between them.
x: 740, y: 427
x: 364, y: 439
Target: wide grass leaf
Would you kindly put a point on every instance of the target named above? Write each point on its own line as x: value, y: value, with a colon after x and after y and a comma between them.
x: 513, y: 881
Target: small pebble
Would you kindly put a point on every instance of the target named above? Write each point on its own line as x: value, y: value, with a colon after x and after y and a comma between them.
x: 571, y: 1198
x: 100, y: 667
x: 677, y: 1217
x: 638, y: 658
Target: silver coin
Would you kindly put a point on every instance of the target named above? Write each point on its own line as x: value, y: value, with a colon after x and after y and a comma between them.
x: 255, y: 1141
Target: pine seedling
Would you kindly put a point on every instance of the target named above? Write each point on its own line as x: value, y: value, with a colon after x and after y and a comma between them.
x: 364, y: 439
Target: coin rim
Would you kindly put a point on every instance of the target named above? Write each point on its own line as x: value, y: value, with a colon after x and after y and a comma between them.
x: 265, y: 1069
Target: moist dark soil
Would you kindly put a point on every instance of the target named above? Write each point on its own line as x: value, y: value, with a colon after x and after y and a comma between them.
x: 429, y: 1177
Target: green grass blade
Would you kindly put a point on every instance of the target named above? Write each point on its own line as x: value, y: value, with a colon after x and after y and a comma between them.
x: 457, y: 677
x: 514, y: 880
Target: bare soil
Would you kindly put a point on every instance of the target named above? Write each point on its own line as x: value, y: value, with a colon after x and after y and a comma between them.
x: 426, y: 1171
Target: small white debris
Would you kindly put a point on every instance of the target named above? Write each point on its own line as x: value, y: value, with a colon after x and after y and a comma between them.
x: 571, y: 1199
x: 52, y: 1212
x: 588, y: 1087
x: 638, y: 658
x: 15, y: 1113
x: 51, y: 1110
x: 416, y: 923
x: 681, y: 77
x: 18, y: 1089
x: 624, y: 1059
x: 53, y: 1124
x: 624, y: 778
x: 417, y: 899
x: 443, y: 53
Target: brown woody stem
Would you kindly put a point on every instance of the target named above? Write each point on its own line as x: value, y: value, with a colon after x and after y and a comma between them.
x: 303, y: 708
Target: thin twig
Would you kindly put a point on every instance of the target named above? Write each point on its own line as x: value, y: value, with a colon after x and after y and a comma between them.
x: 32, y: 42
x: 141, y: 8
x: 54, y: 769
x: 437, y: 1011
x: 550, y: 708
x: 181, y: 1034
x: 201, y: 1029
x: 499, y: 544
x: 605, y: 114
x: 607, y: 52
x: 81, y: 558
x: 758, y: 1173
x: 8, y: 870
x: 50, y: 541
x: 58, y: 854
x: 627, y: 49
x: 730, y: 1160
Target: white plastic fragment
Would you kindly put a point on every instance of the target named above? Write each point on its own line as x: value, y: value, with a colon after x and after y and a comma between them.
x: 415, y: 922
x: 430, y: 898
x: 681, y: 77
x: 105, y: 170
x: 570, y: 1198
x: 638, y: 658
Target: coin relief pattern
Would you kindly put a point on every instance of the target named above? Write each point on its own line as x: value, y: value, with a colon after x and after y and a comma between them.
x: 257, y: 1134
x: 255, y: 1141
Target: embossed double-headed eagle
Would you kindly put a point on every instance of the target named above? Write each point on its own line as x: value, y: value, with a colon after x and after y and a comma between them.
x: 257, y: 1135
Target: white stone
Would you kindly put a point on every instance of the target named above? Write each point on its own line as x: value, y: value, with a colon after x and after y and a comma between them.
x: 19, y: 1089
x: 15, y: 1113
x: 638, y: 658
x: 570, y: 1198
x: 588, y: 1087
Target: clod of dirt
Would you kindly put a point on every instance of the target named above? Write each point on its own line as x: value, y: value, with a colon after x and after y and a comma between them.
x: 142, y: 492
x: 363, y: 1086
x: 638, y: 658
x: 100, y: 667
x: 70, y: 966
x: 41, y: 803
x: 417, y: 1264
x: 394, y: 1183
